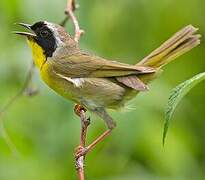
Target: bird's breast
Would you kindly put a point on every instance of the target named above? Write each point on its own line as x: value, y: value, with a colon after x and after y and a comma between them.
x: 61, y: 85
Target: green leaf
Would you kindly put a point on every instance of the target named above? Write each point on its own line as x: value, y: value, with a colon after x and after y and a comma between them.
x: 175, y: 97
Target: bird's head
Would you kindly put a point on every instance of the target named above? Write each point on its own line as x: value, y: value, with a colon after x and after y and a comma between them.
x: 47, y: 40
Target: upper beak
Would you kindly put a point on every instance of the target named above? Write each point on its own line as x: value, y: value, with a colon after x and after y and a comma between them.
x: 27, y: 34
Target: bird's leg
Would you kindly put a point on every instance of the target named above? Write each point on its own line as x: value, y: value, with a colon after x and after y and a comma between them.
x: 82, y: 151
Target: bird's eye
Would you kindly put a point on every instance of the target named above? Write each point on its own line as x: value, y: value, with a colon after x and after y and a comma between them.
x: 44, y: 33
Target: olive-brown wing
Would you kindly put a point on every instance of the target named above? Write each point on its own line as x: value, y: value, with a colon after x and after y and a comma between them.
x: 83, y: 65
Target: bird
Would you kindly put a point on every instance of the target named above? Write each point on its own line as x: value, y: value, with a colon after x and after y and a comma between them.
x: 94, y: 82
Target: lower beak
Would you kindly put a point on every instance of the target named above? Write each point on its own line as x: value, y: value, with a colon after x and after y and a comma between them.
x: 27, y: 34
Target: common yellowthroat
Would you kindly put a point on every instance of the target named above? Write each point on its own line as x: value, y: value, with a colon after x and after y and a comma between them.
x: 94, y: 82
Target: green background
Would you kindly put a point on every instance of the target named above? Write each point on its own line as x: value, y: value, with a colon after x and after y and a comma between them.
x: 45, y: 130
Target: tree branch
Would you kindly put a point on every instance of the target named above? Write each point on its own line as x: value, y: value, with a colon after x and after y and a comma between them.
x: 70, y: 8
x: 85, y: 122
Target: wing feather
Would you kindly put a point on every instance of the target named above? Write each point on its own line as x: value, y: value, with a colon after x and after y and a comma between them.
x: 133, y: 82
x: 83, y: 65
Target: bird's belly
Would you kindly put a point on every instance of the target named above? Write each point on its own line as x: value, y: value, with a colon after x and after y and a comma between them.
x: 59, y: 85
x: 101, y: 92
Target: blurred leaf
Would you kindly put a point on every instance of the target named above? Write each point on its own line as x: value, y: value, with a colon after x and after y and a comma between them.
x: 176, y: 95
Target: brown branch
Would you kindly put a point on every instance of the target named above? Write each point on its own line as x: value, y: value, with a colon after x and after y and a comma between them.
x: 85, y: 122
x: 71, y: 6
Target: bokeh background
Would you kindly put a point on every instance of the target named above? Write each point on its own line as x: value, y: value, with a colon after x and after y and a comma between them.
x: 44, y: 130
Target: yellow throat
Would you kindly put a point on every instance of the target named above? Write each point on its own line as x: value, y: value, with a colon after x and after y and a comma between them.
x: 38, y: 53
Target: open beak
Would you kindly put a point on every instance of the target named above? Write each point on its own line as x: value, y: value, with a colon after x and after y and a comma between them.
x: 27, y: 34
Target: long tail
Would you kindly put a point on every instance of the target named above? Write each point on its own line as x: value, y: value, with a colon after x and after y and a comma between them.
x: 180, y: 43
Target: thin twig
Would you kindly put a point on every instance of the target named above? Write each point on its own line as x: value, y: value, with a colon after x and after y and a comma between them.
x: 20, y: 92
x: 71, y: 6
x: 80, y: 160
x: 9, y: 141
x: 63, y: 23
x: 23, y: 89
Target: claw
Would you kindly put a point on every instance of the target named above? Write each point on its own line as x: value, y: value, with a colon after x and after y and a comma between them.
x: 78, y: 108
x: 80, y: 151
x: 87, y: 122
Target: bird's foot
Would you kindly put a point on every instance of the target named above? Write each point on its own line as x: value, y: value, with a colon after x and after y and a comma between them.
x: 78, y: 108
x: 80, y: 151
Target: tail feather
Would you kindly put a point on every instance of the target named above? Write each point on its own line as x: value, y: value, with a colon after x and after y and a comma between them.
x: 180, y: 43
